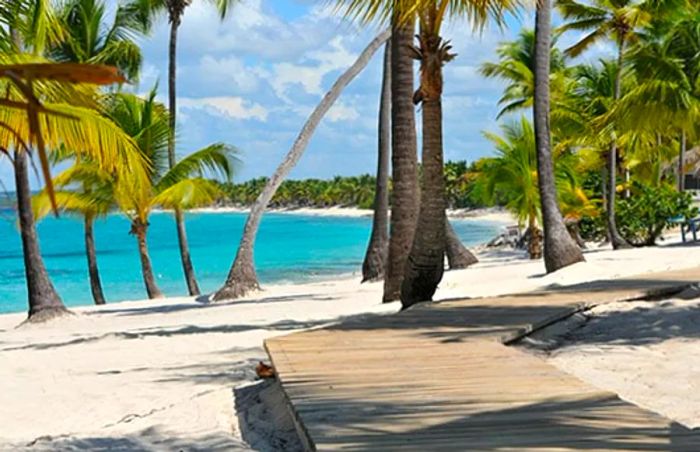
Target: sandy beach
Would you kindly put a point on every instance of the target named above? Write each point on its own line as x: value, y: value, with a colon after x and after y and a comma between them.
x: 175, y: 373
x: 495, y: 214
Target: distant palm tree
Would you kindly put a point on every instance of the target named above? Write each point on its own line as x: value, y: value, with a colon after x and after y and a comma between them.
x: 512, y: 177
x: 560, y: 250
x: 183, y: 186
x: 374, y: 264
x: 175, y: 9
x: 619, y: 21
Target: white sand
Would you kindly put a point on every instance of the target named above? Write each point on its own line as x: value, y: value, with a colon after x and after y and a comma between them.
x: 161, y: 375
x: 495, y: 214
x: 648, y: 352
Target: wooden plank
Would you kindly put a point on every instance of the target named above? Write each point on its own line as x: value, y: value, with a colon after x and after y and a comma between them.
x: 439, y: 377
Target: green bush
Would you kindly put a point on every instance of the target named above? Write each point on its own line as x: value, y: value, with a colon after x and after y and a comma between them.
x: 645, y: 215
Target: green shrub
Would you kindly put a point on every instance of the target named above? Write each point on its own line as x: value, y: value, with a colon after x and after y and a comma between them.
x: 643, y: 217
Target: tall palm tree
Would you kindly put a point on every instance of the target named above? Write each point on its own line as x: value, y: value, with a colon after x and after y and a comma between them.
x: 242, y: 277
x: 175, y: 10
x: 619, y: 21
x: 560, y: 250
x: 183, y: 186
x: 30, y: 27
x: 425, y: 264
x: 374, y: 263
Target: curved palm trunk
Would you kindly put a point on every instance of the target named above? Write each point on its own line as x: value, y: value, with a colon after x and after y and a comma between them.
x: 559, y: 249
x: 242, y: 277
x: 615, y: 238
x: 404, y: 161
x: 139, y: 229
x: 93, y: 270
x: 377, y: 250
x: 458, y: 256
x: 426, y: 261
x: 187, y: 267
x: 44, y: 301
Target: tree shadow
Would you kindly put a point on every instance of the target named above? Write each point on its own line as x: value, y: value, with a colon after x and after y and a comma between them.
x: 202, y: 302
x: 599, y: 422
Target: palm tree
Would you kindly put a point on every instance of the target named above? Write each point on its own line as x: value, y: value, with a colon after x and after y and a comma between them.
x: 377, y: 251
x: 175, y: 10
x: 560, y: 249
x: 618, y: 20
x: 89, y: 38
x: 183, y: 186
x: 516, y: 66
x: 425, y: 264
x: 511, y: 176
x: 93, y: 136
x: 93, y: 199
x: 242, y: 277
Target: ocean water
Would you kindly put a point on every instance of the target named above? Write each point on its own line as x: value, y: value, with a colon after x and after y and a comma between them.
x: 290, y: 248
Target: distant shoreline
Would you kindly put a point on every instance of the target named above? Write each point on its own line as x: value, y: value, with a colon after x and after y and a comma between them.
x: 495, y: 214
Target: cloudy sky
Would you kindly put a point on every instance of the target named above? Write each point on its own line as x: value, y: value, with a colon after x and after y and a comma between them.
x: 252, y: 79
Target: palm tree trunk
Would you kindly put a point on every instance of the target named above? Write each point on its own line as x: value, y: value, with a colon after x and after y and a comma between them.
x: 242, y: 277
x: 615, y: 238
x: 187, y: 267
x: 375, y: 258
x: 139, y: 229
x: 93, y: 270
x: 458, y: 256
x: 559, y: 249
x: 44, y: 301
x: 681, y: 162
x: 404, y: 160
x: 426, y: 261
x: 534, y: 244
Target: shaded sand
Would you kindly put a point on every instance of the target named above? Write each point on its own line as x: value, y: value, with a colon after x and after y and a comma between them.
x: 164, y: 375
x: 646, y: 351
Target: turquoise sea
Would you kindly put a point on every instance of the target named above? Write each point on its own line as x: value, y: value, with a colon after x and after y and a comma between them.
x: 290, y: 248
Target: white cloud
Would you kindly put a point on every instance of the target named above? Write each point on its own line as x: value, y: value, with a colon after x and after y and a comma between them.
x: 342, y: 112
x: 233, y: 107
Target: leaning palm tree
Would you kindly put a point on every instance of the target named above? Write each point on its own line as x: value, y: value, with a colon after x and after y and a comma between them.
x: 175, y: 10
x: 242, y: 277
x: 374, y: 263
x: 186, y: 185
x: 619, y: 21
x: 560, y: 249
x: 91, y: 199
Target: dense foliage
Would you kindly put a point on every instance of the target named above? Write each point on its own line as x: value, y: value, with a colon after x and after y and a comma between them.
x: 352, y: 191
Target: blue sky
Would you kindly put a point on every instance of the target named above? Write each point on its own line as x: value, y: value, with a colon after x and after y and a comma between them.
x: 252, y: 79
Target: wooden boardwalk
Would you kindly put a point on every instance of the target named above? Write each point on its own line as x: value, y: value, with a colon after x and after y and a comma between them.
x: 439, y: 377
